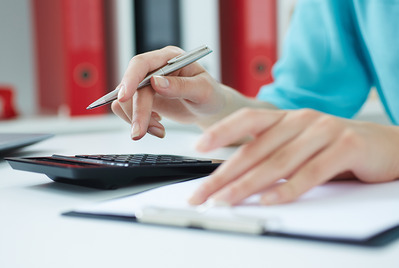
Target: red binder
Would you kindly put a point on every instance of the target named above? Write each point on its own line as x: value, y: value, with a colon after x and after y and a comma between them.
x: 70, y: 54
x: 248, y: 39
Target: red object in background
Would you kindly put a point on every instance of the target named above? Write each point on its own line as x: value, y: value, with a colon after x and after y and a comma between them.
x: 7, y: 107
x: 71, y: 53
x: 248, y: 39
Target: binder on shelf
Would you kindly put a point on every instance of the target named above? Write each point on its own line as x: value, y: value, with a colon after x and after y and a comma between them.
x: 120, y: 39
x: 157, y: 24
x: 70, y: 54
x: 248, y: 40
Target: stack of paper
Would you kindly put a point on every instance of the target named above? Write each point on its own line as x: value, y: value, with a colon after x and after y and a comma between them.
x: 338, y: 210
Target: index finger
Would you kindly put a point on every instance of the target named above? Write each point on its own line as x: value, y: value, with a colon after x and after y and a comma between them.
x: 142, y: 64
x: 237, y: 127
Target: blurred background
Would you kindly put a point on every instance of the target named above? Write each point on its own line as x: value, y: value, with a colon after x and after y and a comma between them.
x: 58, y: 56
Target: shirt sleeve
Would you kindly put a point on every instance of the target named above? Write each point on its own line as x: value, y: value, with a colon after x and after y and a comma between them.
x: 322, y: 66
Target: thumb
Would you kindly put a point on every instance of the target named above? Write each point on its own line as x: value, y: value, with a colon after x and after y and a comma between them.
x: 195, y: 88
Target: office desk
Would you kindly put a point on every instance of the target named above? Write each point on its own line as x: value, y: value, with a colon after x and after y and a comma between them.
x: 34, y: 234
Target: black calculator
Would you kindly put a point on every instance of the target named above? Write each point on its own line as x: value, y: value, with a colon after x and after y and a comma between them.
x: 111, y: 171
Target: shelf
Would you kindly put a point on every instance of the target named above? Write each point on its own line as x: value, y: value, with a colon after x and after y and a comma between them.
x: 79, y: 124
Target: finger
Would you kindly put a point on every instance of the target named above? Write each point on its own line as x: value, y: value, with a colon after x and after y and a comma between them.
x: 127, y: 108
x: 277, y: 151
x: 139, y: 67
x: 187, y: 88
x: 142, y: 109
x: 320, y: 168
x: 280, y: 163
x: 155, y: 128
x: 117, y: 109
x: 259, y: 150
x: 126, y: 114
x: 156, y: 116
x: 237, y: 126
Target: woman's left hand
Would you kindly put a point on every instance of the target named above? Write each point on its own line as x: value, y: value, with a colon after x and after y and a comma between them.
x: 304, y: 147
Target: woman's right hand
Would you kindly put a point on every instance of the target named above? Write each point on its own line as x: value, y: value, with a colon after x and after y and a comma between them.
x: 189, y: 95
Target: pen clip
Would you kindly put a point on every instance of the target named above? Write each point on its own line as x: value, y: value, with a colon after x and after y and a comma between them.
x: 186, y: 217
x: 188, y: 54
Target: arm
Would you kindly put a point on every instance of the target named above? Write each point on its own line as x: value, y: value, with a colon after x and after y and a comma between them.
x: 322, y: 68
x: 304, y: 147
x: 190, y: 95
x: 323, y: 64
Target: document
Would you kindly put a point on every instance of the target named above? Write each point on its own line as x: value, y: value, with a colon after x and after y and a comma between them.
x: 337, y: 210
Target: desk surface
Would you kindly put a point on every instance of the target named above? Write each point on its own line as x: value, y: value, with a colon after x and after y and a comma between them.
x: 34, y: 234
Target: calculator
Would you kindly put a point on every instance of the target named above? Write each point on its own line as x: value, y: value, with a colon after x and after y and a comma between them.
x: 111, y: 171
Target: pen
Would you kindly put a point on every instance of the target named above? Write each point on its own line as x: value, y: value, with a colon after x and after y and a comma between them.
x: 172, y: 65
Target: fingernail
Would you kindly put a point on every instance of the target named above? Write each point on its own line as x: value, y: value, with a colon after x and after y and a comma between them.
x: 217, y: 203
x: 161, y: 81
x: 121, y: 92
x: 158, y: 132
x: 135, y: 130
x: 211, y: 203
x: 270, y: 198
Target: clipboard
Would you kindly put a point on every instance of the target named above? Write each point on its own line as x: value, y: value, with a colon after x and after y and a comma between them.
x: 376, y: 223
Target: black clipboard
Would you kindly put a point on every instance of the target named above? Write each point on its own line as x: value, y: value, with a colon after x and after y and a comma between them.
x: 381, y: 239
x: 347, y: 212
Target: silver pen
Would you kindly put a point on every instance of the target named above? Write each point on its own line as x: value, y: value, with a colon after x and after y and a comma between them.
x: 172, y: 65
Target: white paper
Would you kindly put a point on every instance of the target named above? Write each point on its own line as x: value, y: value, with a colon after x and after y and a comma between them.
x: 338, y: 209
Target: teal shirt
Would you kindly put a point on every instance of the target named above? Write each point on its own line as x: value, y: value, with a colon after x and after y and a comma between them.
x: 335, y: 52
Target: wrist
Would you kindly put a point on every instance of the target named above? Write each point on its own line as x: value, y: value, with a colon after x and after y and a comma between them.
x: 230, y: 101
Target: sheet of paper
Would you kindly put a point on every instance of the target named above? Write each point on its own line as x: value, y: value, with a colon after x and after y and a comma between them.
x: 339, y: 209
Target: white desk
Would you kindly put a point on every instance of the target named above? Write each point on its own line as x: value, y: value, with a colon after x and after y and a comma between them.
x: 34, y: 234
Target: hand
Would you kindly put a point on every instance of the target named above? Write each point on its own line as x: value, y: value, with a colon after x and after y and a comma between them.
x: 189, y: 95
x: 305, y: 147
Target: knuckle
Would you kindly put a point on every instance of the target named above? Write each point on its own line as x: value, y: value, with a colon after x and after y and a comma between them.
x: 326, y: 121
x: 326, y: 124
x: 173, y: 49
x: 350, y: 139
x: 137, y: 58
x: 304, y: 114
x: 179, y: 83
x: 247, y: 112
x: 314, y: 171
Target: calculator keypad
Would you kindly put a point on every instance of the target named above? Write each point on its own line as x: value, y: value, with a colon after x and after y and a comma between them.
x: 144, y: 159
